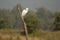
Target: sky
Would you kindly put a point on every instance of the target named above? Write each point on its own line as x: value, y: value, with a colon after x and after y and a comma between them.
x: 52, y: 5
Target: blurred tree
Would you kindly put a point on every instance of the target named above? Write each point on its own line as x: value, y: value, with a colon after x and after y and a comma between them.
x: 16, y: 17
x: 12, y: 16
x: 57, y: 21
x: 32, y: 22
x: 2, y: 23
x: 5, y: 14
x: 46, y: 16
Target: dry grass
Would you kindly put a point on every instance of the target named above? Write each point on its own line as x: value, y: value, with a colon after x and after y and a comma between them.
x: 10, y: 34
x: 47, y: 35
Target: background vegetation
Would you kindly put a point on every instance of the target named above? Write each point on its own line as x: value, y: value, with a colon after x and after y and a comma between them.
x: 42, y: 24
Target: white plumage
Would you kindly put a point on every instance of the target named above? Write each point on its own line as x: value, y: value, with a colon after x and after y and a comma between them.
x: 25, y: 11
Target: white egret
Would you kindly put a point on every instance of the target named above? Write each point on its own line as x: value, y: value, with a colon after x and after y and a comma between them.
x: 25, y: 11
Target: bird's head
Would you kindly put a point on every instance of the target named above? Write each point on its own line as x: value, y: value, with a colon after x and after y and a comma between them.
x: 27, y: 9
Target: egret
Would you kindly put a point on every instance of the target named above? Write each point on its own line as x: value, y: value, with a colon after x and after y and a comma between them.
x: 25, y: 11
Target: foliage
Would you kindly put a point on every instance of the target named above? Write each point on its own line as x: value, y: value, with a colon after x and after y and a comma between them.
x: 32, y: 22
x: 16, y: 16
x: 11, y: 16
x: 2, y: 23
x: 43, y: 18
x: 6, y: 15
x: 47, y: 18
x: 57, y: 21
